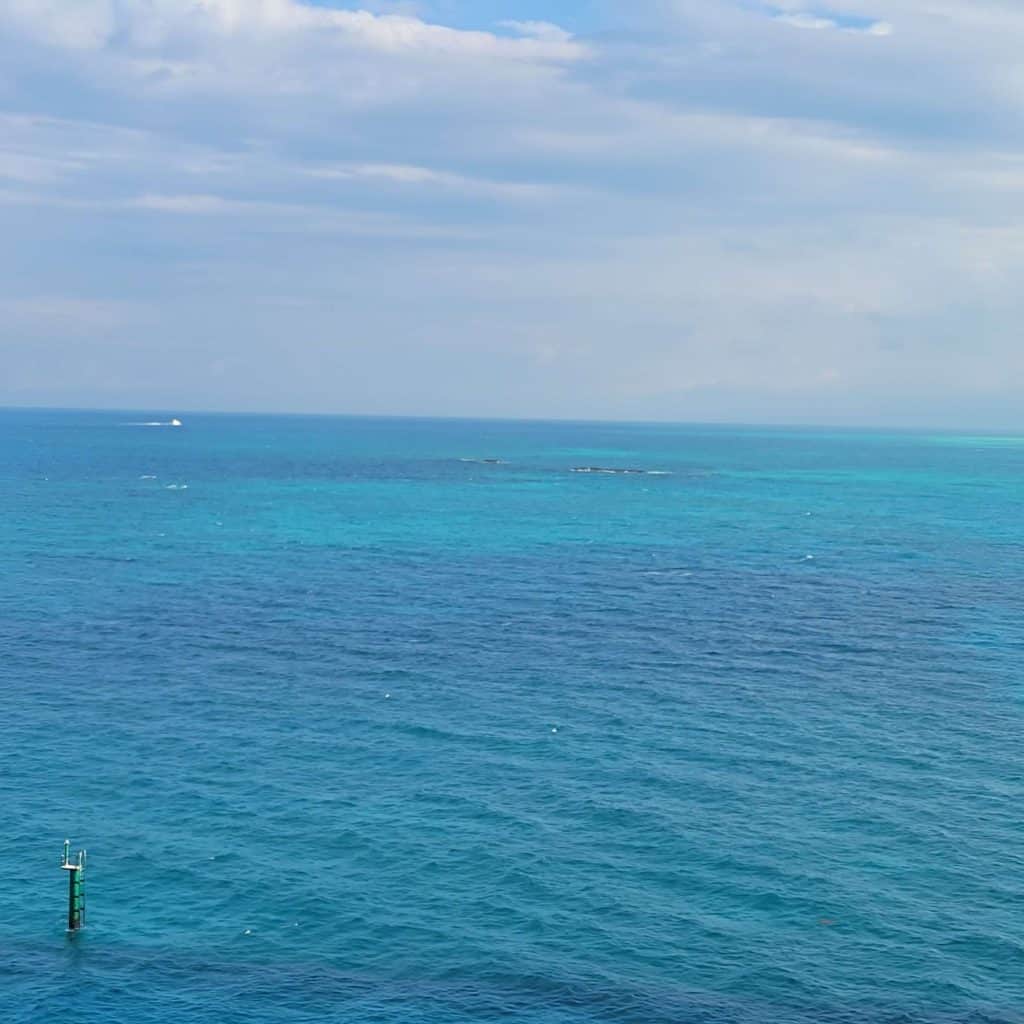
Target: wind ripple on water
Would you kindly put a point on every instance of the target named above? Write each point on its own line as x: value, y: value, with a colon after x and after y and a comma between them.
x: 370, y: 736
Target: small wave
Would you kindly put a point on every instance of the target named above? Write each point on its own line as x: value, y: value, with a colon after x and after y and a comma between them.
x: 486, y: 462
x: 176, y: 487
x: 147, y: 476
x: 620, y: 472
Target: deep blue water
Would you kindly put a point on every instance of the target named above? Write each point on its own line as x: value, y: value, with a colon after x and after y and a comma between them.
x: 356, y: 731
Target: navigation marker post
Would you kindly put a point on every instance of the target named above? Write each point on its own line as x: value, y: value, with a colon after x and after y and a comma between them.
x: 76, y: 897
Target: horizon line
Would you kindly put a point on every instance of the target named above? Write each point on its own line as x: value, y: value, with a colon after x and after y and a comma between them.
x: 582, y: 421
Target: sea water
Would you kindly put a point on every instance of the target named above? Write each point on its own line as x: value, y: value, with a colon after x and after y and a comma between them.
x: 405, y: 721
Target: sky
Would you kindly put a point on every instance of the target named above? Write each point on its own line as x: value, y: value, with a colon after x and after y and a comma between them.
x: 712, y: 210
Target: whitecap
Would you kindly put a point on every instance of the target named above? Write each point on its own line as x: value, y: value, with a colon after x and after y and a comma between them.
x: 620, y: 471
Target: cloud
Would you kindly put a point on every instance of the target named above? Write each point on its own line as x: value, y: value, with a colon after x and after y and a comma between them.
x: 301, y: 219
x: 802, y: 20
x: 425, y: 177
x: 151, y: 26
x: 59, y: 313
x: 282, y: 54
x: 197, y: 204
x: 807, y: 20
x: 28, y: 169
x: 696, y: 207
x: 872, y: 65
x: 542, y: 30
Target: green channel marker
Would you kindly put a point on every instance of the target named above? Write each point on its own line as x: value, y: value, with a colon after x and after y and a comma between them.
x: 76, y: 895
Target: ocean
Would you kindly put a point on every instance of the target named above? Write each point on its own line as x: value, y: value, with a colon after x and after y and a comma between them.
x: 382, y: 720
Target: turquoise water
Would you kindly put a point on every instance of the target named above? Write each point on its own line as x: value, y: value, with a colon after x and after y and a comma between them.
x: 355, y: 730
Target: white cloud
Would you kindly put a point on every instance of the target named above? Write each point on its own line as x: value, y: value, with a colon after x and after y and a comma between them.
x: 198, y: 204
x: 78, y: 25
x: 242, y: 52
x: 806, y: 20
x: 411, y: 175
x: 62, y: 312
x: 802, y: 20
x: 34, y: 170
x: 543, y: 30
x: 151, y: 25
x: 303, y: 220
